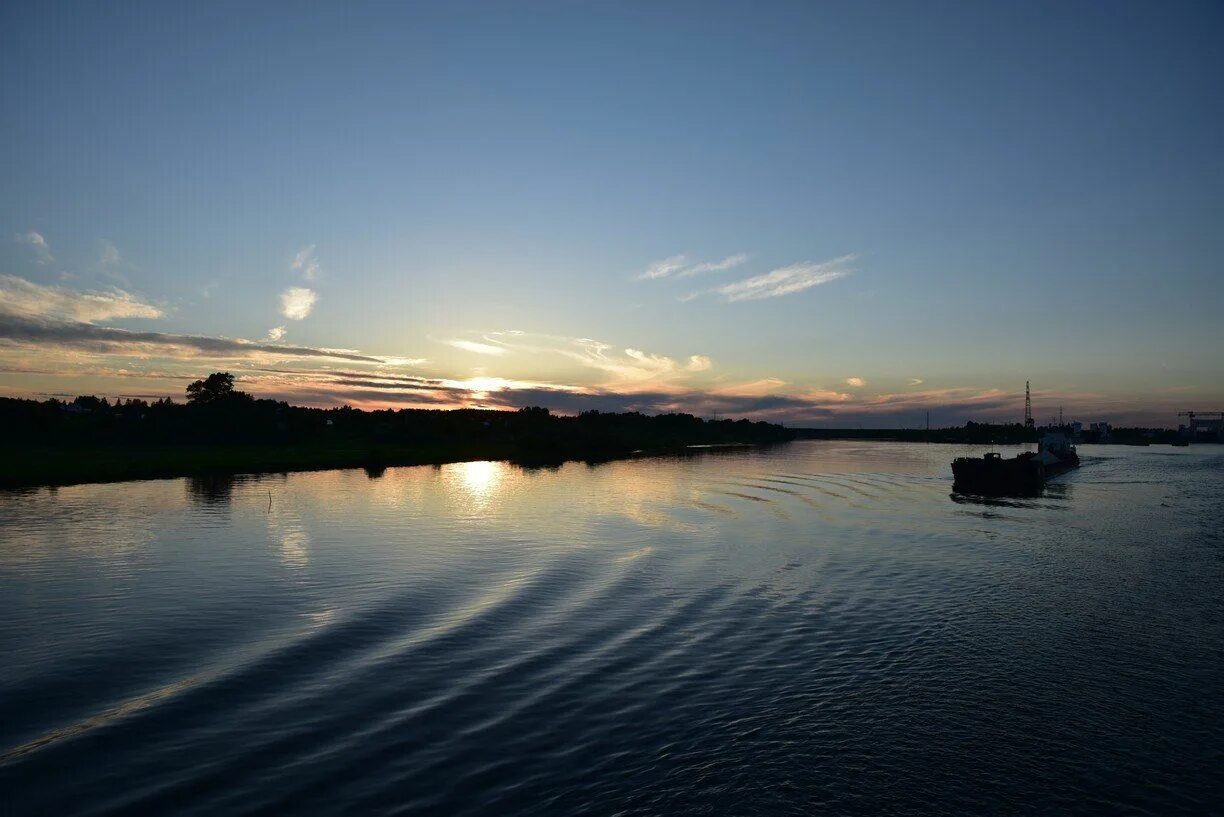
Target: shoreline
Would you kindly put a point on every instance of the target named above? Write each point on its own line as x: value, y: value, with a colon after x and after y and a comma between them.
x: 29, y: 468
x: 53, y: 467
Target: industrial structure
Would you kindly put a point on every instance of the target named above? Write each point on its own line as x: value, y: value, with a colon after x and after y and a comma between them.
x: 1201, y: 424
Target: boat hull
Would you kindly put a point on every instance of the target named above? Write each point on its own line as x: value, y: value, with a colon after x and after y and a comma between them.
x: 1024, y: 475
x: 998, y: 477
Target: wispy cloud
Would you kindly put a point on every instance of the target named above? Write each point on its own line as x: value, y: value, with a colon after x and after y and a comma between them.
x: 35, y: 241
x: 625, y: 368
x: 786, y: 280
x: 714, y: 266
x: 915, y: 381
x: 44, y: 332
x: 22, y: 297
x: 856, y: 382
x: 756, y: 388
x: 679, y: 266
x: 108, y: 253
x: 634, y: 380
x: 699, y: 363
x: 306, y: 262
x: 664, y: 268
x: 275, y: 334
x: 377, y: 387
x: 297, y: 302
x: 477, y: 347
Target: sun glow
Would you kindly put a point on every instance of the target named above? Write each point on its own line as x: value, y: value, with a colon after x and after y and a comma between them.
x: 480, y: 479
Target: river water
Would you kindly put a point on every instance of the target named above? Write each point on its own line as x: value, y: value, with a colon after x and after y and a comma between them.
x: 819, y: 627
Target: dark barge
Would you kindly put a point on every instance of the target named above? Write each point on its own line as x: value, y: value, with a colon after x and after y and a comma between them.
x: 1022, y: 475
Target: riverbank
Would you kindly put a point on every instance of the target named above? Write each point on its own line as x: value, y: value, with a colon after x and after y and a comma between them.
x: 53, y: 466
x: 996, y: 434
x: 92, y: 440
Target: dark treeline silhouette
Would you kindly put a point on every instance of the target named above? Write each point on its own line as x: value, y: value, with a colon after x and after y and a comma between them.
x: 970, y: 433
x: 973, y: 433
x: 222, y: 429
x: 1139, y: 435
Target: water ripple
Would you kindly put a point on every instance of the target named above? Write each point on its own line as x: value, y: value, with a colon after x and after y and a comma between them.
x: 788, y: 631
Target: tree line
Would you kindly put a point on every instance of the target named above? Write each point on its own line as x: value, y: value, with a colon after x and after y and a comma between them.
x: 216, y: 412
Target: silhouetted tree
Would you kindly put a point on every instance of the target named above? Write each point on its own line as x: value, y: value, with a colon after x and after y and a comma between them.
x: 94, y: 430
x: 217, y: 386
x: 90, y: 403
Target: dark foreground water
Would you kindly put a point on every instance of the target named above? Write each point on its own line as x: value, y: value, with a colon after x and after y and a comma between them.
x: 818, y: 628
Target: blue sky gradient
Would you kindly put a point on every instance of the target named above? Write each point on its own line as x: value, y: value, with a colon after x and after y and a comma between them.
x: 1004, y: 192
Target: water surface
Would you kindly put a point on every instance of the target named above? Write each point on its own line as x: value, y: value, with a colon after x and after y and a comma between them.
x: 816, y: 627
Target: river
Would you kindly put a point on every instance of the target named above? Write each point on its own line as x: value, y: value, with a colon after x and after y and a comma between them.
x: 818, y: 627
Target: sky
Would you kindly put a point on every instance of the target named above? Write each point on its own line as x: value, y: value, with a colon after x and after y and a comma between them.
x: 827, y: 214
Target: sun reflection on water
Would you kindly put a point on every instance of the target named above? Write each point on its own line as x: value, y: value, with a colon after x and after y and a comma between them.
x: 480, y: 479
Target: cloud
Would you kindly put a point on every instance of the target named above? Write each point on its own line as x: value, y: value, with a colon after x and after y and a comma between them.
x: 679, y: 266
x: 915, y: 381
x: 306, y: 262
x: 297, y: 302
x: 35, y: 346
x: 478, y: 348
x: 716, y: 266
x: 634, y: 370
x: 631, y: 369
x: 756, y: 388
x: 384, y: 389
x: 108, y: 253
x: 42, y: 251
x: 22, y: 297
x: 43, y: 331
x: 786, y: 280
x: 664, y: 268
x: 857, y: 382
x: 276, y: 334
x: 699, y: 402
x: 698, y: 363
x: 381, y: 389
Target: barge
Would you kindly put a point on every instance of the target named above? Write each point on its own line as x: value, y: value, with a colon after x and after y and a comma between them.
x: 1022, y: 475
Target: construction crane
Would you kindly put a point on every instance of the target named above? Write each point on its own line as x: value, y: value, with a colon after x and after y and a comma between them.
x: 1193, y: 414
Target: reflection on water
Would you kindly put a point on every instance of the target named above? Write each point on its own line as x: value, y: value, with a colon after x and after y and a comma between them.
x: 212, y: 489
x: 288, y: 533
x: 480, y: 479
x: 814, y: 627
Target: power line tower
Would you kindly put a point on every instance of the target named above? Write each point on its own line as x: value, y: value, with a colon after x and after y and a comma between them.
x: 1028, y: 405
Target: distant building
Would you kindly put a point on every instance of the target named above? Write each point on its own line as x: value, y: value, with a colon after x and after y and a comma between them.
x: 1203, y: 427
x: 1100, y: 431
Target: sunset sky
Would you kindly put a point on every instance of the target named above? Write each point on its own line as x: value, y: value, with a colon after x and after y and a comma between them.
x: 823, y: 213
